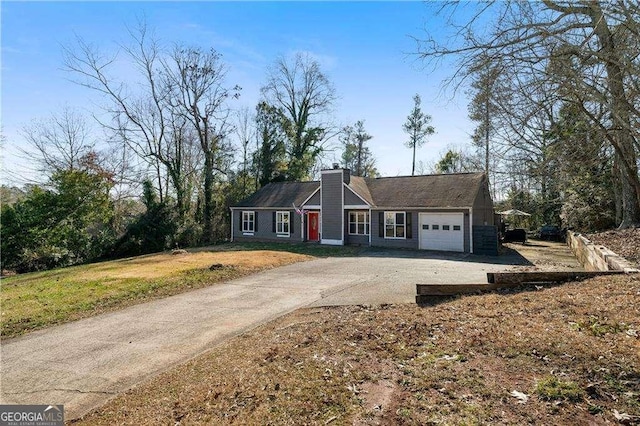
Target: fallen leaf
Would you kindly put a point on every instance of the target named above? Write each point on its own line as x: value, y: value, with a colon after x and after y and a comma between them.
x: 522, y: 397
x: 450, y: 357
x: 625, y: 418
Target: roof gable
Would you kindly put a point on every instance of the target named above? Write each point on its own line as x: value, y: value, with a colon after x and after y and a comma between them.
x: 359, y: 186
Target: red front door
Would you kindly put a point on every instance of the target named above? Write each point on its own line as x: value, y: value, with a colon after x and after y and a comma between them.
x: 313, y: 227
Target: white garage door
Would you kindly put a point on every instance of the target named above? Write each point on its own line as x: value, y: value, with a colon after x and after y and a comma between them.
x: 442, y: 231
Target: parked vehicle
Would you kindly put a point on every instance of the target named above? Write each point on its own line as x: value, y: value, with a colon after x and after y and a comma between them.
x: 518, y: 235
x: 551, y: 233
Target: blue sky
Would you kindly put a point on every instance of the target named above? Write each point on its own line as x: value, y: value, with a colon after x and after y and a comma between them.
x: 364, y: 47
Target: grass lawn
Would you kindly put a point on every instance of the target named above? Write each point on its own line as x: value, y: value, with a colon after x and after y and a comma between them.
x: 36, y: 300
x: 568, y: 354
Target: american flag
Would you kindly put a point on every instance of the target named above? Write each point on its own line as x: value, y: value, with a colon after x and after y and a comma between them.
x: 300, y: 211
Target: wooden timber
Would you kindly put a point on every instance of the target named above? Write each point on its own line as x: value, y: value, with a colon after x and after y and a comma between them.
x: 544, y: 277
x: 498, y: 280
x: 452, y: 289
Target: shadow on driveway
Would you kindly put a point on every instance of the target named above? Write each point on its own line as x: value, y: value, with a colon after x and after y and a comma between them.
x: 508, y: 256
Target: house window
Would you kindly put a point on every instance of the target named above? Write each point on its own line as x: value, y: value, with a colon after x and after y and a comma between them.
x: 282, y: 223
x: 248, y: 221
x: 394, y: 224
x: 359, y: 223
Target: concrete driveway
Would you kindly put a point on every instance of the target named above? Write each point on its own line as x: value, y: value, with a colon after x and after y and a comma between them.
x: 82, y: 364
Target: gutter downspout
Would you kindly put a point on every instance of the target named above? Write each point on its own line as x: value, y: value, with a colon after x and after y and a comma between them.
x: 231, y: 209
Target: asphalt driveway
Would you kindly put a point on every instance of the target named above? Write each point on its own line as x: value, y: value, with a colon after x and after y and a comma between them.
x: 81, y: 364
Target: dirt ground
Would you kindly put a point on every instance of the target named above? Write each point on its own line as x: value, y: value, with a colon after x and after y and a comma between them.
x: 544, y: 256
x: 624, y: 242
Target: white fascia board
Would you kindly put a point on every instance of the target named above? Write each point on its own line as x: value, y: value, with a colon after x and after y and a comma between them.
x: 400, y: 209
x: 355, y: 193
x: 281, y: 208
x: 310, y: 196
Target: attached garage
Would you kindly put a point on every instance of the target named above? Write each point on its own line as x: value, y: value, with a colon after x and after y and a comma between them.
x: 442, y: 231
x: 445, y: 212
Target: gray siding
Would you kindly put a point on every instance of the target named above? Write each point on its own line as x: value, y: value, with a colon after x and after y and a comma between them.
x: 485, y: 240
x: 377, y: 241
x: 332, y: 211
x: 483, y: 207
x: 265, y: 226
x: 352, y: 199
x: 356, y: 240
x: 315, y: 200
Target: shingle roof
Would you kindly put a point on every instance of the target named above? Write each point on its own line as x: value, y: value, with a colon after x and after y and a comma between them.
x: 280, y: 194
x: 448, y: 190
x: 359, y: 186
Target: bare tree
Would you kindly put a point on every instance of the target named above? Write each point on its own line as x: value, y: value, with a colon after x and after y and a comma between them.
x: 304, y: 95
x: 418, y: 128
x: 198, y: 93
x: 245, y: 132
x: 58, y: 142
x: 595, y: 41
x: 139, y: 119
x: 174, y: 121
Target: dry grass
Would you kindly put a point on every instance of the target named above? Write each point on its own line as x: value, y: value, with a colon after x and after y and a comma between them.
x: 165, y: 264
x: 37, y: 300
x: 571, y: 354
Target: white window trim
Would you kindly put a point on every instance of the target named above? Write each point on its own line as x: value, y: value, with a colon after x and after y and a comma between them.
x: 394, y: 225
x: 367, y: 222
x: 247, y: 231
x: 279, y: 215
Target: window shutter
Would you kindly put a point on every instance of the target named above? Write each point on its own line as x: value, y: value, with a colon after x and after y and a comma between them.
x: 274, y: 223
x: 291, y: 220
x: 408, y: 229
x: 255, y: 221
x: 381, y: 224
x: 240, y: 222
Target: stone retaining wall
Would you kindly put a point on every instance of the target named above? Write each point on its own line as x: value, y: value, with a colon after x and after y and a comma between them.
x: 595, y: 257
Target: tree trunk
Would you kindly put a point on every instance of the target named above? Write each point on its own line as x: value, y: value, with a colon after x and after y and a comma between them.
x: 413, y: 165
x: 617, y: 176
x: 207, y: 232
x: 487, y: 118
x: 359, y: 162
x: 159, y: 178
x: 623, y: 138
